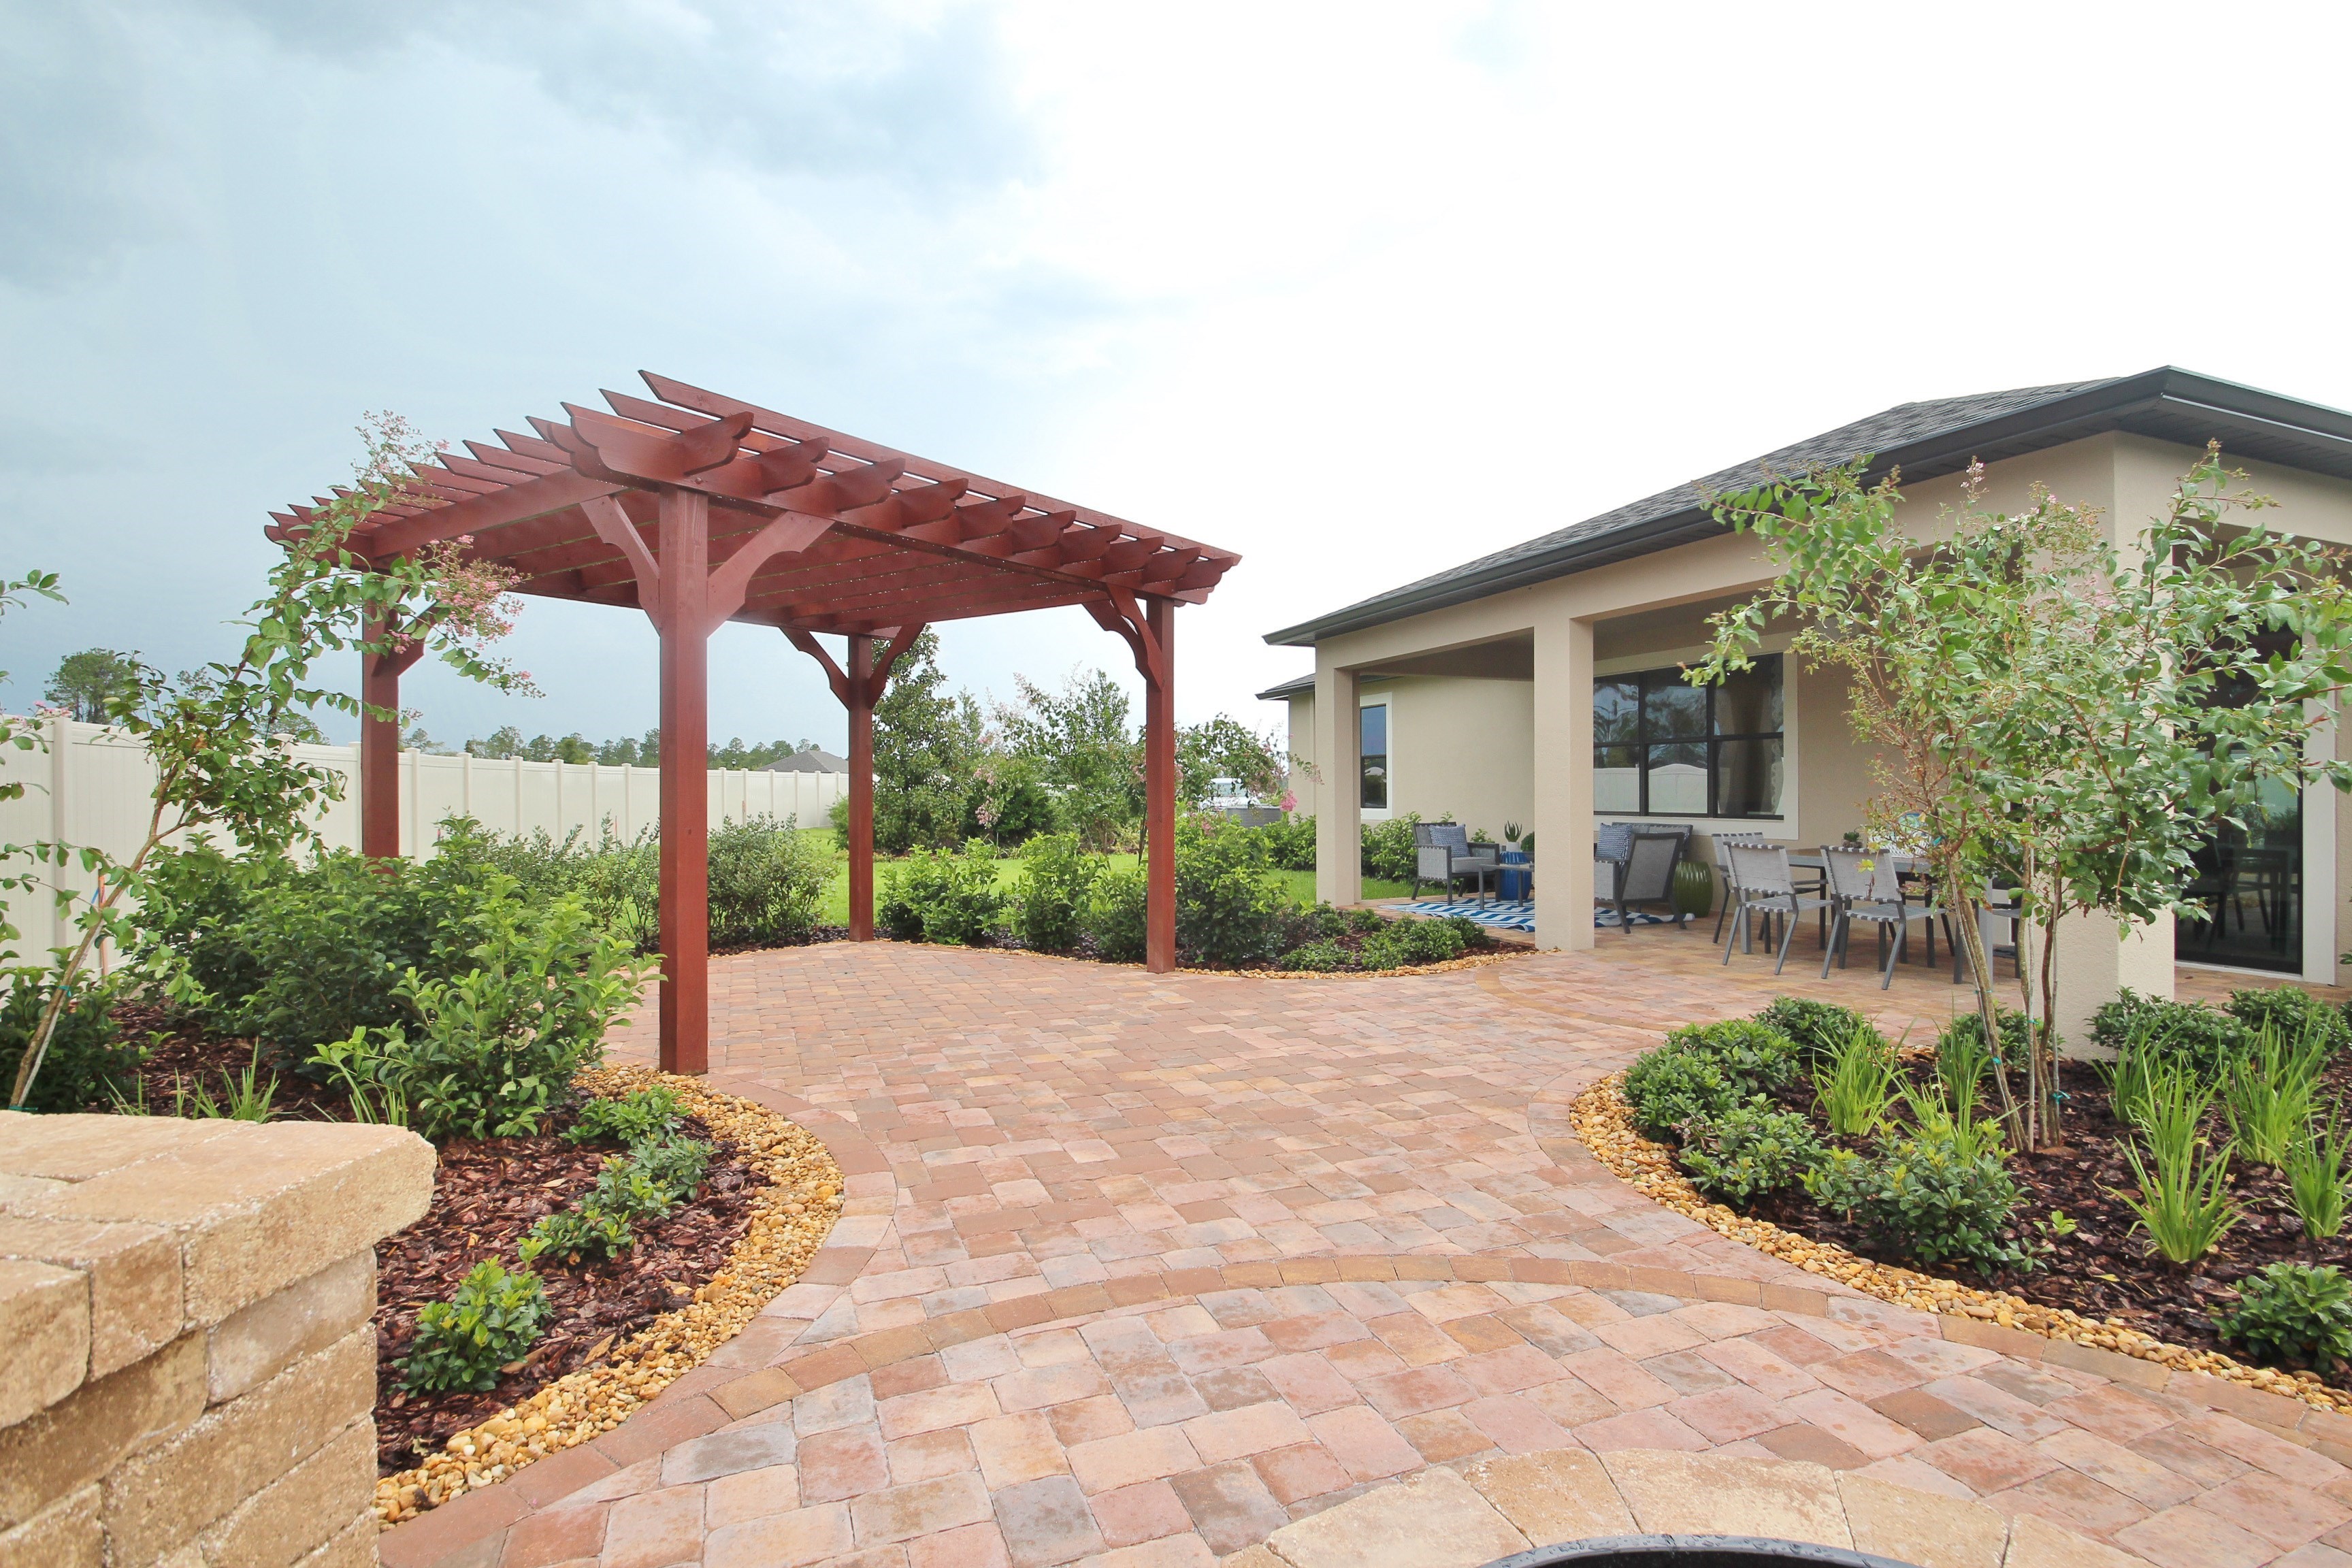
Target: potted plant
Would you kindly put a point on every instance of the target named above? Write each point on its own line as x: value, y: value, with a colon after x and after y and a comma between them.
x: 1515, y: 878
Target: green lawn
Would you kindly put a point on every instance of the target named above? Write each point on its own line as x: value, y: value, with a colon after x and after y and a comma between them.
x: 1299, y: 885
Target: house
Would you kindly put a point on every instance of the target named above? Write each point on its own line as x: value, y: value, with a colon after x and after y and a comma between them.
x: 813, y: 760
x: 1540, y: 684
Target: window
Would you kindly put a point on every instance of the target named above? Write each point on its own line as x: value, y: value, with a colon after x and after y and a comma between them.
x: 1663, y: 747
x: 1374, y: 741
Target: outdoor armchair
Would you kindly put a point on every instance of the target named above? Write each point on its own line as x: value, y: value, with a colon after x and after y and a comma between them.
x: 1442, y: 853
x: 1646, y: 875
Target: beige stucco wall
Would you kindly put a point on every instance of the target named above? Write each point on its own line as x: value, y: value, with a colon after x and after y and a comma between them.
x: 1458, y: 748
x: 2128, y: 477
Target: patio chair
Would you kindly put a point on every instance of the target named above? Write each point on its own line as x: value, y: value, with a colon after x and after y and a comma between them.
x: 1766, y: 887
x: 1647, y: 876
x: 1863, y: 885
x: 1442, y: 853
x: 1723, y: 843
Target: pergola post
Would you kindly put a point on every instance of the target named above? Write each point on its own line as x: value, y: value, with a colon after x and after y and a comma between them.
x: 380, y: 676
x: 1160, y: 792
x: 683, y: 593
x: 859, y: 687
x: 1150, y: 633
x: 859, y: 699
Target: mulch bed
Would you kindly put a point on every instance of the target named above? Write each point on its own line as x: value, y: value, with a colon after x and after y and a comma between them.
x: 2104, y: 1269
x: 487, y: 1193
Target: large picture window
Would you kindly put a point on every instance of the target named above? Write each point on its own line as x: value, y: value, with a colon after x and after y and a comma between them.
x: 1663, y: 747
x: 1374, y: 741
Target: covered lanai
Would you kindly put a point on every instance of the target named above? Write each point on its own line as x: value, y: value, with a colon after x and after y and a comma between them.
x: 699, y: 508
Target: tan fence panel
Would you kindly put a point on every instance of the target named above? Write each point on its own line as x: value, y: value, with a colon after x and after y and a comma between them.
x: 92, y: 786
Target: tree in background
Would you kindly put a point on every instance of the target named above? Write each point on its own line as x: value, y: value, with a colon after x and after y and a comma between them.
x: 1226, y: 748
x: 86, y: 681
x: 1084, y: 751
x: 927, y: 747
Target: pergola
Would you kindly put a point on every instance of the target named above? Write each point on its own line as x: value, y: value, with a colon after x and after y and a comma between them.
x: 699, y: 510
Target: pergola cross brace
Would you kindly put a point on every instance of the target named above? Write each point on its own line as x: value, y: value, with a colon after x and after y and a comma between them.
x: 698, y: 508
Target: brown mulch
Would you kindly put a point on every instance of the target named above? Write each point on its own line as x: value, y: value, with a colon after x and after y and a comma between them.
x: 2104, y: 1269
x: 485, y: 1193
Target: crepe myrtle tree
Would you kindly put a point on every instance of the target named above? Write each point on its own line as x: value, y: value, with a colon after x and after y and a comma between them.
x: 2053, y: 713
x: 219, y: 736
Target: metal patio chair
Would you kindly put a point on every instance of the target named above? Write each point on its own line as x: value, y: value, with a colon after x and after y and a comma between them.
x: 1766, y: 888
x: 1723, y: 843
x: 1863, y: 885
x: 1646, y: 875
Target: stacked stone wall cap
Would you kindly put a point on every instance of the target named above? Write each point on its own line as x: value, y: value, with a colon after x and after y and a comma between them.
x: 255, y: 1206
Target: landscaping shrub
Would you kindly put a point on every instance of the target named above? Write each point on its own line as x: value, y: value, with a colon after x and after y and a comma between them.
x: 2293, y: 1314
x: 1668, y: 1088
x: 767, y: 883
x: 654, y: 1178
x: 1749, y: 1151
x: 1321, y: 922
x: 1965, y: 1034
x: 2295, y: 1013
x: 1289, y: 844
x: 1759, y: 1059
x: 490, y: 1049
x: 491, y: 1320
x: 1388, y: 849
x: 89, y: 1063
x: 942, y: 896
x: 2315, y: 1179
x: 1926, y: 1195
x: 1854, y: 1087
x: 1407, y: 941
x: 1049, y: 903
x: 1115, y: 916
x: 1820, y: 1029
x: 2188, y: 1032
x: 295, y: 955
x: 1228, y: 906
x: 634, y: 1118
x: 1320, y: 956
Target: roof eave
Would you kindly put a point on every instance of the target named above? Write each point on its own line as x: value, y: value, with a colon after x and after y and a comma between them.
x: 2037, y: 427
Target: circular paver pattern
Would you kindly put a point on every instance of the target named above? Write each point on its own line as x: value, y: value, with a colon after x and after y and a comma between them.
x: 1142, y: 1270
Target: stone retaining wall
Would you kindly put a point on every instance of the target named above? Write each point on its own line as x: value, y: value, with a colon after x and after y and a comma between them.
x: 186, y: 1362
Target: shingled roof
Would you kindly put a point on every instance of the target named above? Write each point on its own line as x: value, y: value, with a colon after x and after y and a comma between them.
x: 1924, y: 439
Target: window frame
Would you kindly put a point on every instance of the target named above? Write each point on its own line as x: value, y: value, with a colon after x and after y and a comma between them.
x: 1387, y: 774
x: 1642, y: 743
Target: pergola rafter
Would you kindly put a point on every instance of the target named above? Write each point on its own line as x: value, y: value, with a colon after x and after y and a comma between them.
x: 699, y: 508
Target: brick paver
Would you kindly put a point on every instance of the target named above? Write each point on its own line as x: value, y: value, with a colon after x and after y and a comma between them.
x: 1141, y: 1268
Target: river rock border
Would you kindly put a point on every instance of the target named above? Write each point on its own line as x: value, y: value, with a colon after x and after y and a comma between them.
x: 1602, y: 1118
x: 790, y: 1218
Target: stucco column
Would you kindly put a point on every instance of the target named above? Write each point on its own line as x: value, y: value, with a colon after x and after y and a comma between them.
x: 1339, y: 809
x: 2093, y: 965
x: 1563, y: 783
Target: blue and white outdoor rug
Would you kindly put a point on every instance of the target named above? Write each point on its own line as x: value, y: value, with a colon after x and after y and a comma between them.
x: 1502, y: 914
x: 1508, y: 914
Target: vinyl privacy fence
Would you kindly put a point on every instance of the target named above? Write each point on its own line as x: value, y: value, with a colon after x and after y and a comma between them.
x: 93, y: 787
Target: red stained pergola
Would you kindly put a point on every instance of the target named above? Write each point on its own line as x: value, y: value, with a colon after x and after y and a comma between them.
x: 700, y: 510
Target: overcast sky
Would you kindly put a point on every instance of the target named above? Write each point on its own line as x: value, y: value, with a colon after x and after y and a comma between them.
x: 1360, y: 291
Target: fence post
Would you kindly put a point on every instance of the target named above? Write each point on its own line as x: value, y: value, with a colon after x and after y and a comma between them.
x: 60, y: 820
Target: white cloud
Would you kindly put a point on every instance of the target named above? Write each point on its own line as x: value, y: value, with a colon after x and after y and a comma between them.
x: 1359, y: 291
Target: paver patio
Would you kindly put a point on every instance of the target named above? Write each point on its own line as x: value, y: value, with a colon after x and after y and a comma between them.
x: 1136, y: 1269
